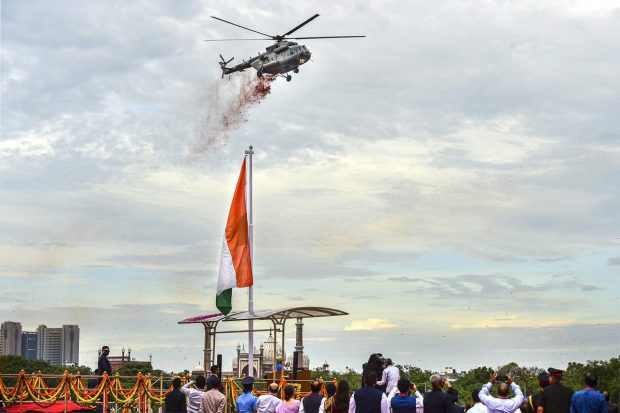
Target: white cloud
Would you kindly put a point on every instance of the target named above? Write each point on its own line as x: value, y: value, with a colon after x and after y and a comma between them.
x: 370, y: 324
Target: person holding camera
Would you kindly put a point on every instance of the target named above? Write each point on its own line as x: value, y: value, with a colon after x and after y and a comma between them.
x: 402, y: 402
x: 501, y: 404
x: 419, y: 400
x: 436, y: 401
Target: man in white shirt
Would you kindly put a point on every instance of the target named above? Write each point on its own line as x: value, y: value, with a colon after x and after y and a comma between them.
x: 501, y: 404
x: 478, y: 407
x: 194, y: 396
x: 419, y: 399
x: 267, y: 403
x: 390, y: 377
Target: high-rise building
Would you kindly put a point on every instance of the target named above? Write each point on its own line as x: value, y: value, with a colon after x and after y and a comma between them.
x: 29, y: 344
x: 70, y: 344
x: 11, y: 338
x: 49, y: 344
x: 59, y: 346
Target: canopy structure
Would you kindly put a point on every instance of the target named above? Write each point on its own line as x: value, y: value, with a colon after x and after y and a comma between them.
x: 277, y: 317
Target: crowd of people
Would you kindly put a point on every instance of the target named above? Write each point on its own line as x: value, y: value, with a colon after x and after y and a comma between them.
x: 390, y: 394
x: 401, y: 396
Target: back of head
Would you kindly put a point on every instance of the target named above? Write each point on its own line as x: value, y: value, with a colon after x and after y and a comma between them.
x: 176, y: 383
x: 214, y: 369
x: 342, y: 396
x: 330, y: 388
x: 248, y: 387
x: 590, y: 379
x: 503, y: 389
x: 273, y: 388
x: 289, y: 392
x: 200, y: 382
x: 216, y: 383
x: 436, y: 381
x: 403, y: 386
x: 371, y: 378
x: 474, y: 396
x: 388, y: 362
x: 315, y: 386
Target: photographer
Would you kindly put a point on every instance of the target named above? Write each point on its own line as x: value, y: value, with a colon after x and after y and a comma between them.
x: 501, y: 404
x: 436, y: 401
x: 401, y: 400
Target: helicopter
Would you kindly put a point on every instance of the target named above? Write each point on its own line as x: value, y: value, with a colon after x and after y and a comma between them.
x: 279, y: 58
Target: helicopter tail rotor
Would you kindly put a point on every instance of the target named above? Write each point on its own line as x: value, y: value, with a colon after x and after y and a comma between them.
x: 223, y: 64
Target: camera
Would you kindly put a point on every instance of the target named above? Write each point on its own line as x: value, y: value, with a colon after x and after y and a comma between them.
x: 501, y: 378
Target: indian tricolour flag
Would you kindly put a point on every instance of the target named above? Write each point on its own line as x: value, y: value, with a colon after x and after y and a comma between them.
x: 235, y: 262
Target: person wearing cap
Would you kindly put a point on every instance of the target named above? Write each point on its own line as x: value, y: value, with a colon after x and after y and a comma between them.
x: 436, y: 401
x: 246, y: 403
x: 478, y: 407
x: 267, y: 403
x: 369, y: 399
x: 543, y: 381
x: 501, y: 404
x: 556, y: 397
x: 390, y: 376
x: 213, y: 400
x: 588, y: 400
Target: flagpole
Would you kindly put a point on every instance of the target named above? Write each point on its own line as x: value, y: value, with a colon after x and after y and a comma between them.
x: 249, y: 153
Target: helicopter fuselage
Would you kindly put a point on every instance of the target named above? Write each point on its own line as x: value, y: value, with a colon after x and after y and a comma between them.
x: 279, y: 59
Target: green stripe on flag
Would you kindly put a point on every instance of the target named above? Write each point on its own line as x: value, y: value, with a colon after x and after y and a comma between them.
x: 223, y: 301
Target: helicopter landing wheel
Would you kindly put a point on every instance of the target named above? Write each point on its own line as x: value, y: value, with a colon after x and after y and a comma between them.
x: 296, y: 70
x: 288, y: 78
x: 259, y: 73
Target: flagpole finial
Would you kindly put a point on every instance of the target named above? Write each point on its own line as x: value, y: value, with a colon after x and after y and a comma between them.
x: 250, y: 150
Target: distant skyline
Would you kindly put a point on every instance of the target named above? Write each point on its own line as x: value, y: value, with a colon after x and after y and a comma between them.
x: 450, y: 180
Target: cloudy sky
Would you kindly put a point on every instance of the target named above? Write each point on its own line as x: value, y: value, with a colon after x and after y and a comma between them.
x: 451, y: 181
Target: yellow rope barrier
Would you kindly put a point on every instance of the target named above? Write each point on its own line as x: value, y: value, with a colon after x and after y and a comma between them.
x: 34, y: 388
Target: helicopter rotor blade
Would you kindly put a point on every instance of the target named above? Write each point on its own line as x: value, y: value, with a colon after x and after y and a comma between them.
x: 323, y: 37
x: 233, y: 40
x: 301, y: 25
x: 243, y: 27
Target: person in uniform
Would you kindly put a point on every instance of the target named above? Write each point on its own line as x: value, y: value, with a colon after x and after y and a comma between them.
x: 246, y: 403
x: 543, y: 381
x: 556, y: 397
